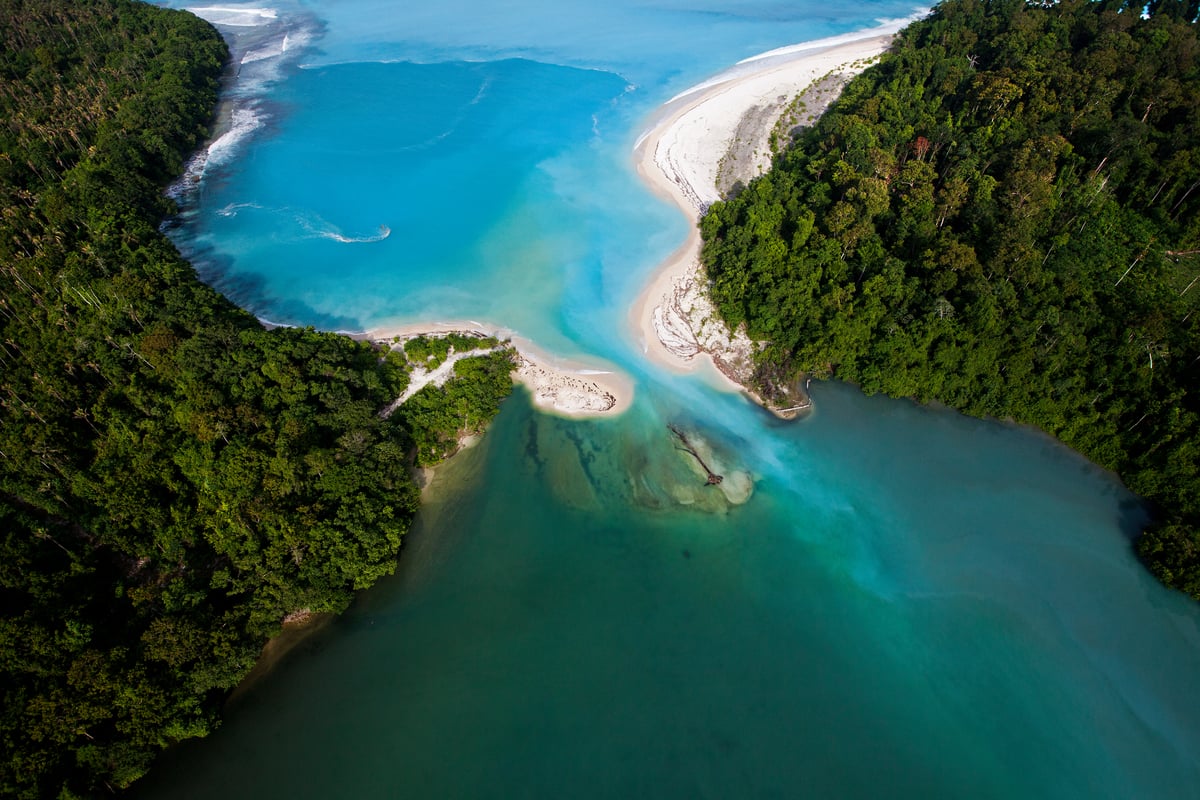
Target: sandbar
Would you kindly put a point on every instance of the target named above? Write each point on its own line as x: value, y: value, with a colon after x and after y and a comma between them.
x: 563, y: 386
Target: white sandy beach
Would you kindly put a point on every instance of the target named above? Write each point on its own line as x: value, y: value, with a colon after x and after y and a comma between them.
x: 568, y: 387
x: 680, y: 158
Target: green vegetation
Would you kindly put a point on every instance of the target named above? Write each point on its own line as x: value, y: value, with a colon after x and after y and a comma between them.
x: 432, y: 350
x: 436, y: 416
x: 174, y: 479
x: 1003, y: 215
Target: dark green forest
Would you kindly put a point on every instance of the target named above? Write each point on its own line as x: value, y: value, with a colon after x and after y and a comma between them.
x: 174, y: 479
x: 1003, y: 215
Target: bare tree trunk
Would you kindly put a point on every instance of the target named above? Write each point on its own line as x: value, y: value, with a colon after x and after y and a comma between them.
x: 713, y: 478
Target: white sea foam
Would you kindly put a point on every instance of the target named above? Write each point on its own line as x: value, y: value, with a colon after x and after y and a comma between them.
x: 235, y: 16
x: 296, y: 39
x: 291, y: 40
x: 243, y: 122
x: 320, y: 228
x: 192, y: 171
x: 384, y: 232
x: 232, y: 209
x: 273, y: 50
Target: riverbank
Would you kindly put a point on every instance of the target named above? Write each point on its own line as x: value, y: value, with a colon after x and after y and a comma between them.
x: 296, y: 629
x: 721, y: 133
x: 562, y: 386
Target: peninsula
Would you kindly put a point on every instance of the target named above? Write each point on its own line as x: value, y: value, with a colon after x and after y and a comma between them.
x: 176, y: 479
x: 567, y: 387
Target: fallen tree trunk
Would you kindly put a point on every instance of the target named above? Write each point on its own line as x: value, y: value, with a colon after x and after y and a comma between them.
x: 713, y: 478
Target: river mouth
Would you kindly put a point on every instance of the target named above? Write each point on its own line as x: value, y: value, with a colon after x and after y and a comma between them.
x: 902, y: 597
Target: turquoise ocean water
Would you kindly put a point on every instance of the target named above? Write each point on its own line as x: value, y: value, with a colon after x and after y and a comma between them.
x: 911, y: 604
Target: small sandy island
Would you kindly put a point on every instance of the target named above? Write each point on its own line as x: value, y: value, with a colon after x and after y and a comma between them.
x: 572, y: 388
x: 702, y: 145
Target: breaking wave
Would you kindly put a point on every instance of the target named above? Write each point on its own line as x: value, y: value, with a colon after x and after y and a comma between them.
x: 383, y: 232
x: 243, y: 121
x: 235, y: 16
x: 320, y: 228
x: 232, y: 209
x: 262, y: 43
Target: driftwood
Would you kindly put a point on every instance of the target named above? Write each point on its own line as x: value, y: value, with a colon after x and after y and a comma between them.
x: 713, y: 478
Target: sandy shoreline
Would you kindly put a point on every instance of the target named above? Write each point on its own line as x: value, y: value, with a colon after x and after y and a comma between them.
x: 681, y: 158
x: 562, y: 386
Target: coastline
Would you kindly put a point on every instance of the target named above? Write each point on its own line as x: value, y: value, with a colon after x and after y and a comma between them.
x: 690, y: 136
x: 565, y: 387
x: 691, y: 139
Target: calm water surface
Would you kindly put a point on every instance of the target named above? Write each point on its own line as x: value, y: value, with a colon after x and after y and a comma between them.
x: 911, y: 604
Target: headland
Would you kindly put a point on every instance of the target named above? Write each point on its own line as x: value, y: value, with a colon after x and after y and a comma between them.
x: 704, y: 144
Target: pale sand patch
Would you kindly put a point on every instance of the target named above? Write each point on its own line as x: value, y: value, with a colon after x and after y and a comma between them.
x: 567, y: 387
x: 680, y: 158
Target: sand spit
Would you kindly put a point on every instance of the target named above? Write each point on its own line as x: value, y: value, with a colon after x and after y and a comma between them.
x: 705, y: 142
x: 559, y: 386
